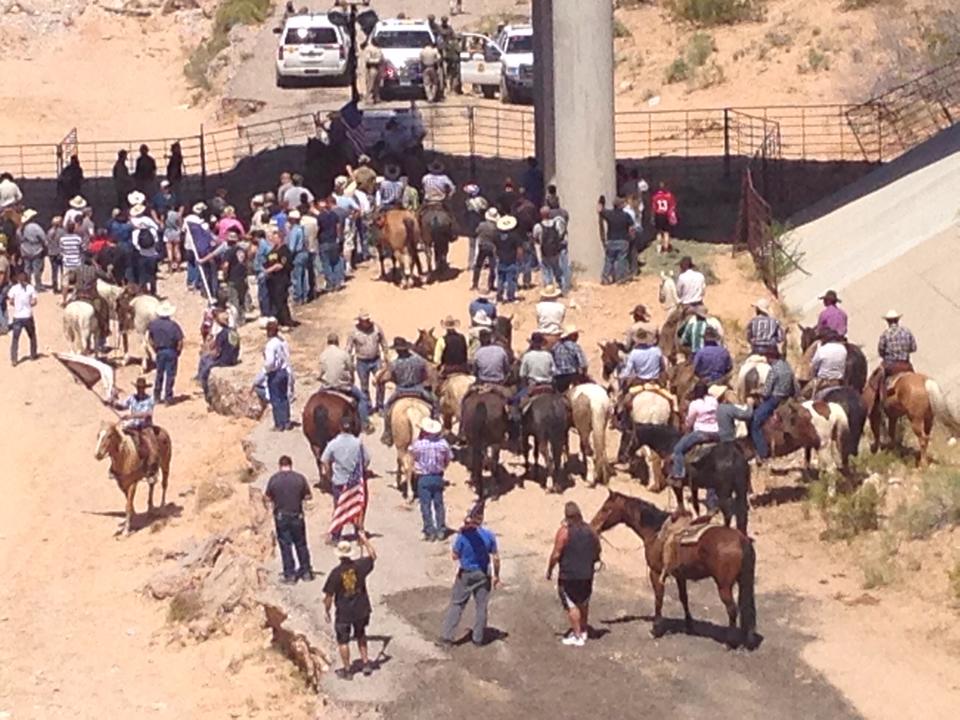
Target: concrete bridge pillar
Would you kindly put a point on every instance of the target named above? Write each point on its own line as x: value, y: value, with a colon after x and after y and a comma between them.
x: 574, y: 104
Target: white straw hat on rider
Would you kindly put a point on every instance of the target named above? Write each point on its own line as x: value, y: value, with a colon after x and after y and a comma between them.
x: 481, y: 319
x: 431, y: 426
x: 892, y: 315
x: 492, y: 215
x: 136, y: 197
x: 28, y: 215
x: 763, y: 305
x: 506, y: 223
x: 77, y: 202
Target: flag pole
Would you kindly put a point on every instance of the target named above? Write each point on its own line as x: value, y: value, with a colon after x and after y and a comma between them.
x: 196, y: 255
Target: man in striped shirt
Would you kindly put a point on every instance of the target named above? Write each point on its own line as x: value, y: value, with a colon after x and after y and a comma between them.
x: 764, y: 332
x: 71, y: 249
x: 437, y: 186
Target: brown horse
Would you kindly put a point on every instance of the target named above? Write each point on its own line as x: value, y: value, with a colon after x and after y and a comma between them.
x: 127, y: 467
x: 399, y: 236
x: 322, y: 415
x: 916, y: 397
x: 721, y: 553
x: 484, y: 426
x: 437, y: 231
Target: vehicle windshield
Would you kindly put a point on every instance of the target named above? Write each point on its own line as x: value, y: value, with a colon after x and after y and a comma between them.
x: 520, y: 44
x: 311, y: 36
x: 402, y: 39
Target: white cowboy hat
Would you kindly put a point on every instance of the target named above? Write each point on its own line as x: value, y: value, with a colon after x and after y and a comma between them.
x: 257, y: 200
x: 506, y: 223
x: 717, y: 391
x: 550, y: 292
x: 379, y: 179
x: 892, y: 315
x: 481, y: 319
x: 344, y: 549
x: 137, y: 210
x: 431, y: 426
x: 293, y: 215
x: 569, y: 330
x: 77, y: 202
x: 166, y: 309
x: 492, y: 215
x: 763, y: 305
x: 136, y: 198
x: 164, y: 183
x: 28, y: 215
x: 363, y: 315
x: 340, y: 181
x: 266, y: 321
x: 199, y: 208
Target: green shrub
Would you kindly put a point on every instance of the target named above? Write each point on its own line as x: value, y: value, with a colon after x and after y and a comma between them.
x: 678, y: 71
x: 185, y: 606
x: 846, y: 516
x: 700, y: 48
x: 937, y: 506
x: 860, y: 4
x: 230, y: 13
x: 953, y: 577
x: 709, y: 13
x: 620, y: 30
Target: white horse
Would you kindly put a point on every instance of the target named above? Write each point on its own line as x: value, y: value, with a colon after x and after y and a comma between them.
x: 110, y: 294
x: 591, y: 415
x: 832, y: 425
x: 80, y: 327
x: 752, y: 375
x: 144, y: 310
x: 669, y: 298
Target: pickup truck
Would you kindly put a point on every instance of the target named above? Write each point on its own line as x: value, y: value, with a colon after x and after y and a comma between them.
x: 503, y: 64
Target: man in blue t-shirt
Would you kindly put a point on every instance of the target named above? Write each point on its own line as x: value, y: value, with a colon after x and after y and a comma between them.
x: 474, y: 550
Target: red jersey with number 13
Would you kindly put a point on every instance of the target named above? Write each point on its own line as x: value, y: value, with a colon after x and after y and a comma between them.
x: 664, y: 203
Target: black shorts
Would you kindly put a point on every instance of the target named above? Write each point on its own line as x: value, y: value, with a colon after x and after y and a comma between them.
x: 662, y: 223
x: 343, y: 630
x: 574, y: 592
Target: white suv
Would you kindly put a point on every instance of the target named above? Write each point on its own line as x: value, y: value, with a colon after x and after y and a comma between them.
x: 311, y: 47
x: 401, y: 42
x: 516, y: 44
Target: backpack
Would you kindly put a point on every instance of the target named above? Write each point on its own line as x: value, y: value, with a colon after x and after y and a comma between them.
x: 550, y: 240
x: 146, y: 239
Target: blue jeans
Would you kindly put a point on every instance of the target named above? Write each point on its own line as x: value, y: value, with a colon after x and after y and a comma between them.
x: 688, y: 441
x: 551, y: 273
x: 614, y: 262
x: 56, y: 267
x: 292, y: 534
x: 209, y: 270
x: 278, y: 384
x: 193, y: 272
x: 763, y: 413
x: 565, y: 274
x: 145, y: 270
x: 529, y: 264
x: 330, y: 264
x: 166, y: 374
x: 507, y: 281
x: 365, y: 368
x: 19, y: 326
x: 430, y: 494
x: 263, y: 297
x: 4, y: 323
x: 472, y: 252
x: 33, y: 267
x: 300, y: 278
x: 363, y: 404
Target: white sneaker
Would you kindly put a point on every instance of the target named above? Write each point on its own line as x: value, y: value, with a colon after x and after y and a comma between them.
x: 574, y: 641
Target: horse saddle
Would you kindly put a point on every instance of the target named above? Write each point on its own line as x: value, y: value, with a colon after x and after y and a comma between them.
x: 342, y: 394
x: 691, y: 534
x: 652, y: 387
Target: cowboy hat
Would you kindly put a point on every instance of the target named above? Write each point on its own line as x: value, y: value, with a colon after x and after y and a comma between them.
x: 199, y: 208
x: 549, y: 292
x: 431, y: 426
x: 481, y: 319
x: 830, y: 295
x: 392, y: 172
x: 344, y: 549
x: 435, y: 167
x: 164, y: 183
x: 141, y: 382
x: 266, y: 322
x: 135, y: 197
x: 717, y: 391
x: 471, y: 189
x: 763, y: 305
x: 257, y: 200
x: 166, y: 309
x: 506, y: 223
x: 400, y: 343
x: 341, y: 181
x: 293, y: 215
x: 569, y: 330
x: 137, y: 210
x: 492, y: 215
x: 379, y: 179
x: 449, y: 322
x: 77, y: 202
x: 28, y: 215
x: 892, y: 315
x: 363, y: 315
x: 642, y: 311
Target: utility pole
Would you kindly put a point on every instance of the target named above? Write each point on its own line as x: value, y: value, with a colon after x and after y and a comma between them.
x: 349, y: 20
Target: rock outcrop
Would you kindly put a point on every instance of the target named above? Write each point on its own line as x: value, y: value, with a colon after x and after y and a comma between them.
x: 230, y: 393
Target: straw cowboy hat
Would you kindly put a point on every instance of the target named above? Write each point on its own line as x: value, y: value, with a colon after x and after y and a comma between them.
x: 341, y: 181
x: 569, y: 330
x: 449, y: 322
x: 363, y: 315
x: 492, y: 215
x: 506, y: 223
x: 266, y: 322
x: 481, y: 319
x: 166, y: 309
x: 293, y: 215
x: 344, y: 549
x: 550, y: 292
x: 135, y: 197
x: 199, y: 208
x: 137, y: 210
x: 892, y: 315
x: 77, y: 202
x: 431, y: 426
x: 257, y: 200
x: 763, y: 305
x: 717, y: 391
x: 28, y: 215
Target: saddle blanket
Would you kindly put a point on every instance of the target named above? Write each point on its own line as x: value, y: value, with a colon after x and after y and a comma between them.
x: 654, y: 388
x: 691, y: 534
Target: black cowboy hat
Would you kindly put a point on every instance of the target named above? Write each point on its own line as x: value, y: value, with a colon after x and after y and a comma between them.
x: 830, y: 296
x: 392, y: 172
x: 435, y: 167
x: 400, y: 343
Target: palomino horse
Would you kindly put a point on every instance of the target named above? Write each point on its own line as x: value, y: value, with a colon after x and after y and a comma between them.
x: 399, y: 237
x: 437, y: 232
x: 591, y: 414
x: 322, y: 415
x: 484, y: 426
x: 126, y: 465
x: 670, y: 301
x: 547, y: 420
x: 721, y: 553
x: 855, y: 372
x: 451, y: 392
x: 80, y: 327
x: 136, y: 313
x: 751, y: 376
x: 406, y: 414
x: 916, y: 397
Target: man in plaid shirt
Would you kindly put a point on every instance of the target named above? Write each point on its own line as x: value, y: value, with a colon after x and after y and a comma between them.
x: 431, y: 455
x: 894, y: 348
x: 764, y: 332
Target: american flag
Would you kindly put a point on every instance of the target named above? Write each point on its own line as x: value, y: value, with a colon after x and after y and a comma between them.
x: 352, y: 504
x: 352, y: 118
x: 198, y: 239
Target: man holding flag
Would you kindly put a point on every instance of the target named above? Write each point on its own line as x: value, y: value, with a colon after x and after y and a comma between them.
x: 344, y: 464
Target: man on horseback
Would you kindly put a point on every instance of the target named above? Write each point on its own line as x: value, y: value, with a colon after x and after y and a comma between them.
x: 438, y: 188
x: 390, y: 194
x: 491, y: 363
x: 537, y: 368
x: 832, y: 317
x: 336, y: 373
x: 451, y: 350
x: 764, y: 332
x: 138, y: 424
x: 693, y: 332
x: 409, y: 373
x: 569, y: 360
x: 641, y: 323
x: 778, y: 387
x: 829, y: 363
x: 81, y: 284
x: 895, y: 346
x: 712, y: 362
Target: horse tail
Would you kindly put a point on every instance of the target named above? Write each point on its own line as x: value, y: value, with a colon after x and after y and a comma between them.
x: 598, y: 433
x: 856, y: 370
x: 410, y: 229
x: 941, y: 408
x: 740, y: 509
x: 841, y: 429
x: 746, y: 600
x: 320, y: 420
